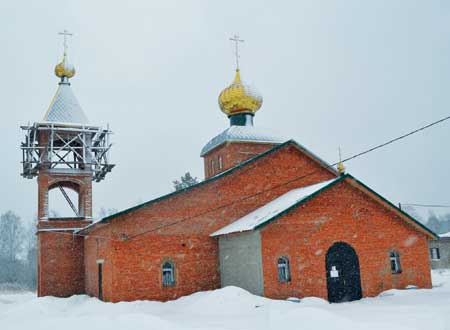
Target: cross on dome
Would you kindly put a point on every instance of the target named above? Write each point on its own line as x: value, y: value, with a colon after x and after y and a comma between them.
x: 65, y: 70
x: 236, y: 40
x: 65, y: 33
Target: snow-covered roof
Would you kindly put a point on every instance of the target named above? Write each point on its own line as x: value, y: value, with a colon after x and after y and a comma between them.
x: 445, y: 235
x: 272, y: 209
x: 65, y: 108
x: 242, y: 134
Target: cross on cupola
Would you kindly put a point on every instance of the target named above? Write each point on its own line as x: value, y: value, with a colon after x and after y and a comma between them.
x: 65, y: 33
x: 236, y: 40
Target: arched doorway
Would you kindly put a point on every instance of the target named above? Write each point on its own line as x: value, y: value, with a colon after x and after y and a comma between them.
x: 343, y: 276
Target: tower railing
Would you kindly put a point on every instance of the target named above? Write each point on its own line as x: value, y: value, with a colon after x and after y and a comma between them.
x: 59, y: 146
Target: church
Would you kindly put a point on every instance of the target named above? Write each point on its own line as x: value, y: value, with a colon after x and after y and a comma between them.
x: 270, y: 217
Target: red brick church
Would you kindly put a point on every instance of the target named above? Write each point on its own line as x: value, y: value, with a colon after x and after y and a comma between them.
x: 270, y: 217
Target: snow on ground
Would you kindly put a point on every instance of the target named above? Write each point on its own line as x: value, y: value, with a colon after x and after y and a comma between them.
x: 233, y: 308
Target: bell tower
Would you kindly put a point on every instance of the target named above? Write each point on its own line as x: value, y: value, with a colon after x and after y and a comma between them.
x: 64, y: 152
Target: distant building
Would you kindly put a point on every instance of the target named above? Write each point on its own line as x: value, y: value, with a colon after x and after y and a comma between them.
x: 440, y: 252
x: 270, y: 217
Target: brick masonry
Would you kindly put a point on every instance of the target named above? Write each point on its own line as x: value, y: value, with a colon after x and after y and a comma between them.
x: 231, y: 154
x: 133, y: 245
x: 342, y: 213
x: 132, y: 268
x: 60, y: 258
x: 60, y: 254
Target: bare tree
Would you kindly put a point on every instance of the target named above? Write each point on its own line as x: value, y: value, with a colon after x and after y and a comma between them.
x: 12, y: 235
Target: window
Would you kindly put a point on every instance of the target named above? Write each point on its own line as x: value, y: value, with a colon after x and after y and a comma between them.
x: 435, y: 255
x: 284, y: 273
x: 220, y: 163
x: 212, y: 166
x: 168, y: 273
x: 394, y: 257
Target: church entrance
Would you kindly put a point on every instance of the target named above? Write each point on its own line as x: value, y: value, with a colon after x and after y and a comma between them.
x: 343, y: 276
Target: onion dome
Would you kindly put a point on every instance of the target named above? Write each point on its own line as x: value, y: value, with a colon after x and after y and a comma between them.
x: 239, y: 98
x: 64, y: 69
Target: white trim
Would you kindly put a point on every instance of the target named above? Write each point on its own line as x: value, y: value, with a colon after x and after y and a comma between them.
x: 99, y: 261
x: 58, y: 229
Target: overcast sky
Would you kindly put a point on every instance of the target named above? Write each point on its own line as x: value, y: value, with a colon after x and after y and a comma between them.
x: 332, y: 73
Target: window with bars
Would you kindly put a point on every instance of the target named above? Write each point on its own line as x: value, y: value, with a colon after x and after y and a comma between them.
x: 284, y: 272
x: 168, y: 273
x: 394, y: 258
x: 435, y: 255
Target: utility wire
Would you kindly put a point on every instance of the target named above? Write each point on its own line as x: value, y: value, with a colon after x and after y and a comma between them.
x: 425, y: 205
x: 295, y: 179
x: 285, y: 183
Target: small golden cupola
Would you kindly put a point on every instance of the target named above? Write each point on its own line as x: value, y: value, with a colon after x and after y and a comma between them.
x: 239, y: 98
x: 64, y: 68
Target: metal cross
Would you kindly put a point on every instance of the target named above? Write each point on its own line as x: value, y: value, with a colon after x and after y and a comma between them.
x: 236, y: 48
x: 65, y: 33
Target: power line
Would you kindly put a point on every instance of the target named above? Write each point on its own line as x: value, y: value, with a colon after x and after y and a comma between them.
x: 425, y: 205
x: 295, y: 179
x: 287, y: 182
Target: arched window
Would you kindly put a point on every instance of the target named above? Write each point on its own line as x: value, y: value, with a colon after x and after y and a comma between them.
x: 394, y: 258
x: 284, y: 272
x: 168, y: 273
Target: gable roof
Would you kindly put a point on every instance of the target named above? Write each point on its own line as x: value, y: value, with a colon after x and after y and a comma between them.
x: 212, y: 179
x: 297, y: 197
x: 65, y: 108
x: 260, y: 216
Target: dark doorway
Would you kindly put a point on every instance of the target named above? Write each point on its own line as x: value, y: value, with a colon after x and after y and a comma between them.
x: 343, y: 277
x: 100, y: 281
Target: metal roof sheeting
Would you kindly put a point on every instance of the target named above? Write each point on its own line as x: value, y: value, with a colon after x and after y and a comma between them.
x: 65, y: 108
x: 242, y: 134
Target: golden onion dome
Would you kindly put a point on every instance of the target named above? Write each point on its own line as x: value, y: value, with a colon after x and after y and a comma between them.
x: 239, y: 98
x: 64, y: 69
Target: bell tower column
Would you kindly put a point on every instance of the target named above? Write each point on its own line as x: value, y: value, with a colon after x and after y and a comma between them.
x: 65, y: 153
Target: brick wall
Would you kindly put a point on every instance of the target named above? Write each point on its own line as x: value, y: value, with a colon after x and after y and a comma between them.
x: 342, y: 213
x: 132, y: 268
x: 60, y: 259
x: 231, y: 154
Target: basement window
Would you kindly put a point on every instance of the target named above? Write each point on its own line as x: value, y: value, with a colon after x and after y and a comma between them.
x: 168, y: 273
x: 394, y: 258
x: 284, y: 272
x: 435, y: 255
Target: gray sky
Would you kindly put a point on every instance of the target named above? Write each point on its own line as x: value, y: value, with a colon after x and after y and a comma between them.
x: 348, y: 73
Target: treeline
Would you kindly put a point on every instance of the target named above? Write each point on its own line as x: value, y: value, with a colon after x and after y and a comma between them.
x: 18, y: 253
x: 440, y: 224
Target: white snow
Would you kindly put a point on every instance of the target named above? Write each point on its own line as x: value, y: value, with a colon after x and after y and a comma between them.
x: 270, y: 210
x: 235, y: 309
x: 243, y: 134
x: 445, y: 235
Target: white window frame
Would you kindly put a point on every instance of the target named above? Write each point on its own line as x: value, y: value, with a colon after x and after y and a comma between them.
x: 168, y: 280
x: 284, y: 269
x: 394, y: 261
x: 435, y: 253
x: 212, y: 166
x: 220, y: 163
